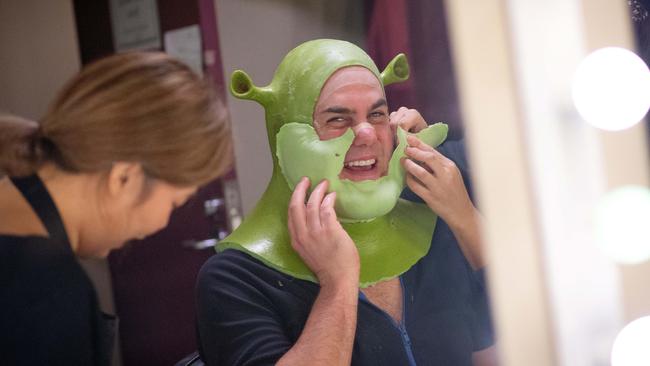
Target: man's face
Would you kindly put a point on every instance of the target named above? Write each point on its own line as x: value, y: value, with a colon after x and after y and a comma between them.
x: 353, y: 98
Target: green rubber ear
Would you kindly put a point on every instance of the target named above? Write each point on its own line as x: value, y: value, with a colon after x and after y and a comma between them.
x: 396, y: 71
x: 242, y: 87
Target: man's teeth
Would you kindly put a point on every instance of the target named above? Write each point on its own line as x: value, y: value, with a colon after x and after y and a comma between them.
x: 360, y: 162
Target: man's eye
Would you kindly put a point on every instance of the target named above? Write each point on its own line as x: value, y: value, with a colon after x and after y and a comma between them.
x: 336, y: 120
x: 378, y: 116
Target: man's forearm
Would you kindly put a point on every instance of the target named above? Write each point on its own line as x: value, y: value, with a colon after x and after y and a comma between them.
x: 467, y: 230
x: 486, y: 357
x: 329, y: 332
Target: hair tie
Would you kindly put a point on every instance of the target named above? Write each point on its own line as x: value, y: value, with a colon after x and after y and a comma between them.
x: 39, y: 131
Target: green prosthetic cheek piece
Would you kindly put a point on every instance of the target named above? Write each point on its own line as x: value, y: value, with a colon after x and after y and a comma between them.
x: 301, y: 153
x: 433, y: 135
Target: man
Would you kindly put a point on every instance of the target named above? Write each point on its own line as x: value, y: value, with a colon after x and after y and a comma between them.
x: 255, y: 306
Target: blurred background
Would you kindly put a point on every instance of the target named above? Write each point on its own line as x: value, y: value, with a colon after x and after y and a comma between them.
x: 550, y: 97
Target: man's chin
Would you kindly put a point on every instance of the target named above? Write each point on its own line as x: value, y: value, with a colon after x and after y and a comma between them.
x: 358, y: 201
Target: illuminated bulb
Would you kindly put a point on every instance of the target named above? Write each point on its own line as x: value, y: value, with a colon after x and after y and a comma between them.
x: 611, y: 89
x: 622, y: 224
x: 631, y: 344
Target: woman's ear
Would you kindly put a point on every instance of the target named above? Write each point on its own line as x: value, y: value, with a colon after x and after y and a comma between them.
x: 125, y: 180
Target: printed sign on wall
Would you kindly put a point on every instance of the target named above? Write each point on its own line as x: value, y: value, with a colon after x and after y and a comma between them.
x: 135, y: 24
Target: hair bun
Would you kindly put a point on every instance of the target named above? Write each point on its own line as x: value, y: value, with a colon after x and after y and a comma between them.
x: 22, y: 147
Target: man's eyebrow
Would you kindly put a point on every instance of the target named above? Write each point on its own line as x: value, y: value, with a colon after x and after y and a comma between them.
x: 337, y: 110
x: 344, y: 110
x: 380, y: 103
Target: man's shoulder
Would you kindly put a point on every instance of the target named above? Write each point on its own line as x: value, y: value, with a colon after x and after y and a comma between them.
x: 231, y: 257
x: 231, y: 262
x: 232, y: 268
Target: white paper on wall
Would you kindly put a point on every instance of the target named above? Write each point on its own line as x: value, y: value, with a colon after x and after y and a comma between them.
x: 185, y: 44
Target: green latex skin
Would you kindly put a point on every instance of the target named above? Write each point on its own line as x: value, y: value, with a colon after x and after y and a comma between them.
x: 301, y: 153
x: 388, y: 245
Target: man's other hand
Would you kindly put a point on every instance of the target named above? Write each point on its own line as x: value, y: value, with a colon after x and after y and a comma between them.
x: 437, y: 180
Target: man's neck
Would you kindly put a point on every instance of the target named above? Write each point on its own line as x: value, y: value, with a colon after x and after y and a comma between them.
x: 387, y: 295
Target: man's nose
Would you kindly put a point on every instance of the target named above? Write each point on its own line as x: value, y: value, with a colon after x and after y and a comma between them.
x: 364, y: 134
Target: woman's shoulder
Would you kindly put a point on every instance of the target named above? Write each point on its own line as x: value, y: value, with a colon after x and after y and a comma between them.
x: 16, y: 215
x: 17, y: 249
x: 37, y: 274
x: 47, y: 297
x: 38, y: 262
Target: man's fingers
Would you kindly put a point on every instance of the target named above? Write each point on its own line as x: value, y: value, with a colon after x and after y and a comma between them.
x: 313, y: 205
x: 419, y: 172
x: 296, y: 213
x: 417, y: 143
x: 413, y: 141
x: 327, y: 213
x: 412, y: 120
x: 292, y: 231
x: 408, y: 124
x: 432, y: 157
x: 300, y: 191
x: 409, y: 119
x: 439, y: 158
x: 394, y: 119
x: 397, y: 117
x: 425, y: 158
x: 417, y: 187
x: 419, y: 154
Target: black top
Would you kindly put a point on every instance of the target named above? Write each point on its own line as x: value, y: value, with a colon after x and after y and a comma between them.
x: 49, y: 309
x: 250, y: 314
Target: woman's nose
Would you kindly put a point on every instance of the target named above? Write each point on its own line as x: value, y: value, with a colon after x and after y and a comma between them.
x: 364, y: 134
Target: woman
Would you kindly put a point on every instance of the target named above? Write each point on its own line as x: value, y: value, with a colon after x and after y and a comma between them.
x: 125, y: 142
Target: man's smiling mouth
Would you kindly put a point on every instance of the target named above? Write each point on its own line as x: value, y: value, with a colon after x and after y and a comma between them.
x: 360, y: 164
x: 360, y: 169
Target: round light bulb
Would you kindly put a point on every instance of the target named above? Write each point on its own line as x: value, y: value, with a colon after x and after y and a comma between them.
x: 631, y: 344
x: 611, y: 89
x: 622, y: 224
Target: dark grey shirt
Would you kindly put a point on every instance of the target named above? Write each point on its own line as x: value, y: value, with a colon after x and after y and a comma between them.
x: 250, y: 314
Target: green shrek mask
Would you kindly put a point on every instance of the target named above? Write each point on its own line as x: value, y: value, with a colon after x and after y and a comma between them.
x: 391, y: 234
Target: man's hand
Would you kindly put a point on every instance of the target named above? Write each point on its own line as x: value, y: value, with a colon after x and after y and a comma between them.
x: 437, y: 180
x: 409, y: 119
x: 319, y: 239
x: 329, y: 252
